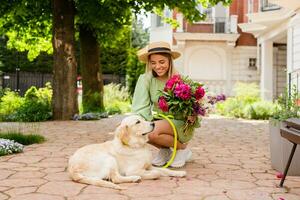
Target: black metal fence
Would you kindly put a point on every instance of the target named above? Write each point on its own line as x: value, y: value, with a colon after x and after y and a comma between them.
x: 21, y: 81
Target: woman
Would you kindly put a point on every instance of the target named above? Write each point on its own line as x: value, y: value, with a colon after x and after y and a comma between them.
x: 159, y: 68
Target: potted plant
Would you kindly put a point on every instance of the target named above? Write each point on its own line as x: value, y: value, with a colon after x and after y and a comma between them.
x: 280, y: 148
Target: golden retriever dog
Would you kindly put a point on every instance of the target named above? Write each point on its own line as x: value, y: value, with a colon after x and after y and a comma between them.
x: 124, y: 159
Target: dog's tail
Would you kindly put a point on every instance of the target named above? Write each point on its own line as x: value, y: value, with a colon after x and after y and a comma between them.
x: 78, y: 177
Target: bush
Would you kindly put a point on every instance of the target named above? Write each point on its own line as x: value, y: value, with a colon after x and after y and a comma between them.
x: 23, y: 139
x: 9, y: 104
x: 116, y: 99
x: 134, y: 68
x: 246, y: 104
x: 259, y: 110
x: 37, y: 105
x: 287, y: 106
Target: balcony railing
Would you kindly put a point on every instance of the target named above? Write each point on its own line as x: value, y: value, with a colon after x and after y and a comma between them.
x: 212, y: 25
x: 266, y: 6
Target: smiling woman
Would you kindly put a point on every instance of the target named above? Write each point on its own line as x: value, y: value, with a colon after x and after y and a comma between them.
x: 159, y: 57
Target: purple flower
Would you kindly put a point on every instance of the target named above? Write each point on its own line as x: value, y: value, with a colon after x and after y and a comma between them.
x: 221, y: 97
x: 163, y: 105
x: 183, y: 91
x: 199, y: 93
x: 198, y: 109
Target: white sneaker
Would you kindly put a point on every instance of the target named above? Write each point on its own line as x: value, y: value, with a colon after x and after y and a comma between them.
x: 162, y: 157
x: 182, y: 156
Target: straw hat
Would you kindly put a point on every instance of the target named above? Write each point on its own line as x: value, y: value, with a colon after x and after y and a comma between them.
x: 156, y: 47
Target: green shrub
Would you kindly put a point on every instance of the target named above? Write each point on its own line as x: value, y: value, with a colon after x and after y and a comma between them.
x: 92, y: 102
x: 247, y: 92
x: 231, y: 107
x: 9, y: 104
x: 23, y: 139
x: 246, y: 104
x: 116, y: 99
x: 134, y: 68
x: 37, y: 105
x: 259, y: 110
x: 287, y: 106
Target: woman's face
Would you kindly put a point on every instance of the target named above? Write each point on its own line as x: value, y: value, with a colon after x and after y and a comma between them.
x: 160, y: 64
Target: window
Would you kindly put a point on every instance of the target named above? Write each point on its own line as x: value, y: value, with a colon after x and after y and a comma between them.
x: 159, y: 21
x: 252, y: 64
x: 266, y: 6
x: 207, y: 11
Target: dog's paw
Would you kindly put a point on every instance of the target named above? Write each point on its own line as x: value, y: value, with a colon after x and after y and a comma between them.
x: 136, y: 179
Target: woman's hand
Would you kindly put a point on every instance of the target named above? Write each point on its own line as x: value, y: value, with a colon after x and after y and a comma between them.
x: 192, y: 119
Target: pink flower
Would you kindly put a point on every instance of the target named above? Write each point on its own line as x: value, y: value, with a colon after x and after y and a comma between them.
x: 172, y: 81
x: 183, y: 91
x: 279, y: 175
x: 199, y: 93
x: 163, y: 105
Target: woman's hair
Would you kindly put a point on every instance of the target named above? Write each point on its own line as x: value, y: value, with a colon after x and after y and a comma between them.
x: 171, y: 70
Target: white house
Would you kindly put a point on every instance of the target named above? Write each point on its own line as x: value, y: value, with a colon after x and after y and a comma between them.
x: 214, y: 51
x: 277, y: 30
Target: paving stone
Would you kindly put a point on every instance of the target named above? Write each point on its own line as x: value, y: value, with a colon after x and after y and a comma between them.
x: 3, y: 188
x: 27, y: 159
x: 20, y: 190
x: 236, y: 175
x: 232, y: 184
x: 54, y: 170
x: 27, y: 174
x: 91, y: 189
x: 24, y: 169
x: 222, y: 166
x: 99, y: 196
x: 61, y: 188
x: 22, y: 182
x: 4, y: 173
x: 10, y: 165
x: 217, y: 197
x: 201, y: 191
x: 36, y: 196
x: 285, y: 196
x: 231, y: 160
x: 60, y: 176
x: 248, y: 194
x: 149, y: 188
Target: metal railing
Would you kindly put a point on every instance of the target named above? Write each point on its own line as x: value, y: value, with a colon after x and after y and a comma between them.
x: 266, y: 6
x: 218, y: 25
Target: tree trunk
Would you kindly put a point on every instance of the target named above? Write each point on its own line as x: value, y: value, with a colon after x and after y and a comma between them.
x: 64, y: 67
x: 92, y: 81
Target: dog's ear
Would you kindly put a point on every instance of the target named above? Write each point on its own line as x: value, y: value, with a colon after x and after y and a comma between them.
x: 124, y: 135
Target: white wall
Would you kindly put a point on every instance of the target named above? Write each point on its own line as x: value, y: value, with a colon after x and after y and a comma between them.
x: 217, y: 65
x: 293, y: 51
x: 280, y: 75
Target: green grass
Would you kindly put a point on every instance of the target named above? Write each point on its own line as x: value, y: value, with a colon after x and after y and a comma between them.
x: 23, y: 139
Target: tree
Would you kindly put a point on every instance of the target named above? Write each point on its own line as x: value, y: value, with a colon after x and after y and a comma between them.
x: 65, y: 65
x: 27, y: 24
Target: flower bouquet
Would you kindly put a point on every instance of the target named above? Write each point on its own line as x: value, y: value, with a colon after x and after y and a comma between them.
x: 184, y: 98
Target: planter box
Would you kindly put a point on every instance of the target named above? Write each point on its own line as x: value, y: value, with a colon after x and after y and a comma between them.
x: 280, y: 149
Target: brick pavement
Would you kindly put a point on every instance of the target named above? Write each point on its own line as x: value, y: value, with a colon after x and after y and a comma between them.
x: 231, y: 161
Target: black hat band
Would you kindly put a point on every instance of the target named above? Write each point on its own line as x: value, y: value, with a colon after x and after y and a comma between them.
x: 159, y: 49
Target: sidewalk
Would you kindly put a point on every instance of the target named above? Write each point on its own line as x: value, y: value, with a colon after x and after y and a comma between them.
x: 230, y: 162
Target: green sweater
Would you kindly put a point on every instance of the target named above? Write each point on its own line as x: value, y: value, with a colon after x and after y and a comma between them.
x: 146, y: 95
